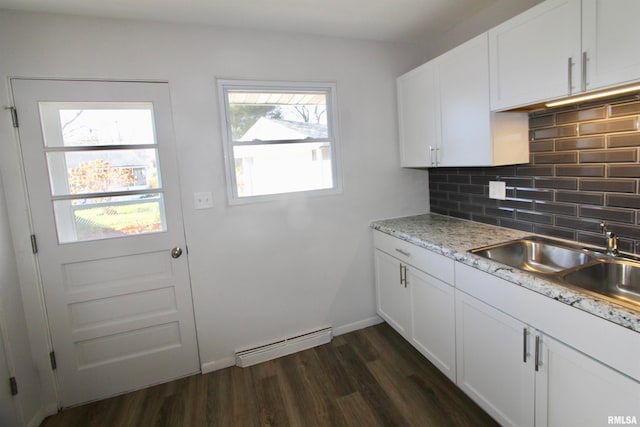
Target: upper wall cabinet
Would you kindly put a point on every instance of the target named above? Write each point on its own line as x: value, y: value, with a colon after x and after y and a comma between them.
x: 445, y: 117
x: 561, y: 48
x: 610, y: 34
x: 536, y: 55
x: 418, y: 116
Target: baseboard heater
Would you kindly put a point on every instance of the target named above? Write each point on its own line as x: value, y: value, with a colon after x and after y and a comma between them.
x: 283, y: 347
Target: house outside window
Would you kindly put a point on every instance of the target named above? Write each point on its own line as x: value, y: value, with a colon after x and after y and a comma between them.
x: 280, y: 139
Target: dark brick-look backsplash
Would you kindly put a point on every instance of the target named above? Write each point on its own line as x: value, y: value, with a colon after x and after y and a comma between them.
x: 584, y: 167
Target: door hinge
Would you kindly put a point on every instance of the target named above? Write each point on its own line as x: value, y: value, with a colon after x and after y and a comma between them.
x: 52, y: 358
x: 13, y: 384
x: 34, y: 244
x: 14, y: 116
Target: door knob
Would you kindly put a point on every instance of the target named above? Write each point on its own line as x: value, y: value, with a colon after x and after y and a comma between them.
x: 176, y: 252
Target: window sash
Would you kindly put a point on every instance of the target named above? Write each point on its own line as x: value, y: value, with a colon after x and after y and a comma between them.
x: 225, y: 87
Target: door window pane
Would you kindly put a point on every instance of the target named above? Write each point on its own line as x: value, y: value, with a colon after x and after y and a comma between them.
x: 108, y: 217
x: 107, y: 152
x: 103, y: 171
x: 96, y: 124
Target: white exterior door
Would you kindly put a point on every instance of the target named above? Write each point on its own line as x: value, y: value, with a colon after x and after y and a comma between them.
x: 102, y: 182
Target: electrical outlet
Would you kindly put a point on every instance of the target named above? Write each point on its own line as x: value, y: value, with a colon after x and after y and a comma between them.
x: 203, y: 200
x: 497, y: 190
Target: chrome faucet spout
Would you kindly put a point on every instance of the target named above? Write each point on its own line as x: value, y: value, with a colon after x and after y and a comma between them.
x: 611, y: 238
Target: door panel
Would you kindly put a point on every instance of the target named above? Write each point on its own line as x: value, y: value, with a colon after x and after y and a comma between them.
x: 102, y: 181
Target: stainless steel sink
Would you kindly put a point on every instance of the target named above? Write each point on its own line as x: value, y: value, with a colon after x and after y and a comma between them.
x: 536, y: 254
x: 616, y: 279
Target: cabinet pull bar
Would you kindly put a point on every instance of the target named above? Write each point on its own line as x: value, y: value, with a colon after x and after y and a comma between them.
x: 570, y: 73
x: 401, y: 279
x: 537, y: 355
x: 524, y: 345
x: 431, y: 155
x: 405, y: 253
x: 584, y: 71
x: 405, y: 276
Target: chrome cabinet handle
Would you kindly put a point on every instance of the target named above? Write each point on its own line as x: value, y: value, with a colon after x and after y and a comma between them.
x: 405, y: 276
x: 405, y: 253
x: 570, y: 74
x: 537, y: 355
x: 432, y: 155
x: 524, y: 345
x: 584, y: 71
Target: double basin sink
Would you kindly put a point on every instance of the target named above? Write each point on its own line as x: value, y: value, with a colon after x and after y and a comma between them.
x: 612, y: 277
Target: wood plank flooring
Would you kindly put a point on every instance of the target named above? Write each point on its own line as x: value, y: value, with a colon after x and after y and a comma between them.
x: 370, y: 377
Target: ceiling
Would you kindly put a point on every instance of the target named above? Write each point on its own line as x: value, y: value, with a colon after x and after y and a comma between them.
x: 381, y: 20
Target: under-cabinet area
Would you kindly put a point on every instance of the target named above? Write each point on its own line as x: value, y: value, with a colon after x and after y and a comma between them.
x: 529, y: 352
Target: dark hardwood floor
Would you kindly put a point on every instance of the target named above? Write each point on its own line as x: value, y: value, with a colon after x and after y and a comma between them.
x: 370, y: 377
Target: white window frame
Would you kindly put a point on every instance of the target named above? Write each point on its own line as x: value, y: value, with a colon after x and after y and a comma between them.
x: 229, y: 160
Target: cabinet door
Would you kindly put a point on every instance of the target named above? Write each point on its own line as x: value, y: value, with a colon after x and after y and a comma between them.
x: 574, y: 390
x: 493, y: 364
x: 418, y: 117
x: 391, y: 293
x: 433, y: 320
x: 610, y: 34
x: 464, y: 102
x: 530, y: 55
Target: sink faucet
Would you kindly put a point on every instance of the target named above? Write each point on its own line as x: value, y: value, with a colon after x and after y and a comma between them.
x: 612, y: 239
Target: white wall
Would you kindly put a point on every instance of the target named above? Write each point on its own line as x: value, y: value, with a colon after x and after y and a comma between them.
x: 259, y: 271
x: 485, y: 19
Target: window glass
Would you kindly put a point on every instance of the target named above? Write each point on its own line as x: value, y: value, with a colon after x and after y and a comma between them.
x: 102, y: 160
x: 280, y: 139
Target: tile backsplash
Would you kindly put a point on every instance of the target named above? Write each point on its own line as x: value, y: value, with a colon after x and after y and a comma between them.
x: 584, y: 167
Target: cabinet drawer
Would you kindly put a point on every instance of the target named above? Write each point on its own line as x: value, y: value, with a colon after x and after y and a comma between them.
x: 430, y: 262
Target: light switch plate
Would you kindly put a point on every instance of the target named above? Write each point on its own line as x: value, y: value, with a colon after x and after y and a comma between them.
x: 203, y: 200
x: 497, y: 190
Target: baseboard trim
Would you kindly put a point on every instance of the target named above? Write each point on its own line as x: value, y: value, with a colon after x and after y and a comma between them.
x: 42, y: 413
x: 227, y: 362
x: 217, y: 364
x: 360, y: 324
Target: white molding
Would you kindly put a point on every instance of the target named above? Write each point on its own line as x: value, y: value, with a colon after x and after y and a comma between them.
x: 360, y: 324
x: 216, y: 365
x: 42, y: 413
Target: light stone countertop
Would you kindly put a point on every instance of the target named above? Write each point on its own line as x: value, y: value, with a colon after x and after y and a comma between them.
x: 453, y: 237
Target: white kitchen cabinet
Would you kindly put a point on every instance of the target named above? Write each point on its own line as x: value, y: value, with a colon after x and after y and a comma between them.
x: 561, y: 48
x: 536, y: 55
x: 392, y: 295
x: 573, y: 389
x: 610, y: 34
x: 511, y: 365
x: 418, y: 116
x: 415, y: 296
x: 494, y: 365
x: 433, y: 327
x: 445, y: 117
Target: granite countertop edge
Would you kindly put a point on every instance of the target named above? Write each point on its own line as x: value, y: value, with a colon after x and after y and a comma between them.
x: 453, y: 237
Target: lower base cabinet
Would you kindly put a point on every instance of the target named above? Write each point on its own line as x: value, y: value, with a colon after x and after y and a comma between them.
x: 413, y: 296
x: 499, y: 342
x: 575, y: 390
x: 494, y: 363
x: 433, y: 326
x: 523, y: 377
